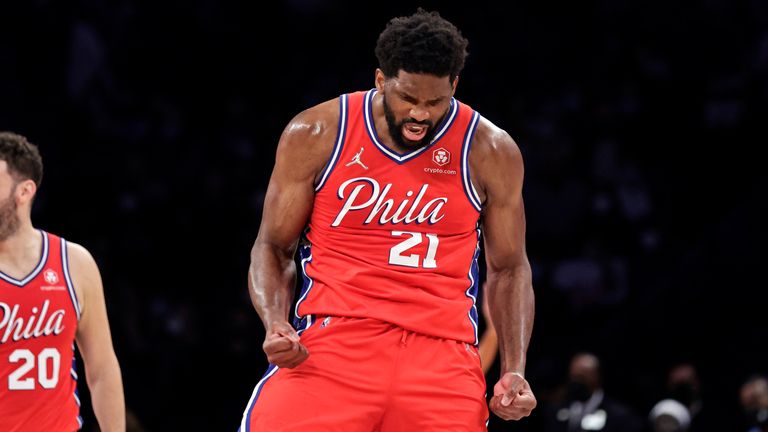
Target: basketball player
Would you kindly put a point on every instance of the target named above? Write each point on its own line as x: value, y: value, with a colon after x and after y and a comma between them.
x: 389, y: 189
x: 50, y: 296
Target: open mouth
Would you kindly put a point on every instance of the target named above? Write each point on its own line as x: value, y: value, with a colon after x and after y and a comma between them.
x: 414, y: 131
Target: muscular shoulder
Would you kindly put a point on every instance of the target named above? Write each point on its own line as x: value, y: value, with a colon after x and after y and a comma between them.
x: 80, y: 259
x: 492, y: 145
x: 83, y: 270
x: 495, y: 158
x: 316, y: 122
x: 309, y: 137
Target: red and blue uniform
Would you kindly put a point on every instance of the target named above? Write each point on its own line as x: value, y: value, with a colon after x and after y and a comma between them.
x: 387, y: 310
x: 38, y: 322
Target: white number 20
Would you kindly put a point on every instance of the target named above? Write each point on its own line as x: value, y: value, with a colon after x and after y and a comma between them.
x: 396, y: 256
x: 47, y: 380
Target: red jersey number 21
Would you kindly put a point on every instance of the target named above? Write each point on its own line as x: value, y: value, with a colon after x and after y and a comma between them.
x: 397, y: 255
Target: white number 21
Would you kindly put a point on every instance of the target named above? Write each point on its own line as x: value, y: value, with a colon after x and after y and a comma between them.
x: 396, y: 256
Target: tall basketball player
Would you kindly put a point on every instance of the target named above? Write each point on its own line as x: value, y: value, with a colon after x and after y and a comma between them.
x: 50, y: 296
x: 386, y: 193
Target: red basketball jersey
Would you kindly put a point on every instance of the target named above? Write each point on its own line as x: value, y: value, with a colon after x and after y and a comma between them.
x: 394, y: 236
x: 38, y: 321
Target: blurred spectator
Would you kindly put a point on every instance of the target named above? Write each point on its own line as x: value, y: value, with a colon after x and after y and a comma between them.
x: 586, y: 407
x: 133, y: 424
x: 684, y: 386
x: 754, y: 403
x: 669, y: 415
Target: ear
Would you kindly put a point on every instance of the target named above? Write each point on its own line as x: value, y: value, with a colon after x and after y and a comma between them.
x: 25, y: 191
x: 454, y: 84
x: 379, y: 79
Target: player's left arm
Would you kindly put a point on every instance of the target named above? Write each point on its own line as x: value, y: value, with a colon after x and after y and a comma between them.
x: 94, y: 341
x: 497, y: 169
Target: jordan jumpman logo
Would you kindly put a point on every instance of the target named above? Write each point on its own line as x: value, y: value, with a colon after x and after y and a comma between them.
x: 356, y: 159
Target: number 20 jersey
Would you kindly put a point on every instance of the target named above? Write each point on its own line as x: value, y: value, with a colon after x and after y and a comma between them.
x: 394, y: 236
x: 38, y: 322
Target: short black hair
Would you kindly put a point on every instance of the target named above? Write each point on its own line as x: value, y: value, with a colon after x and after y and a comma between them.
x: 423, y: 42
x: 23, y: 157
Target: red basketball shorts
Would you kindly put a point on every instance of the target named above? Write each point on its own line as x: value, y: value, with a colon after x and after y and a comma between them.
x: 365, y: 375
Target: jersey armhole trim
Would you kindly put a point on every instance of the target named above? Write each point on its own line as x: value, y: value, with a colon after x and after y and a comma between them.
x: 338, y: 145
x: 68, y: 278
x: 469, y: 188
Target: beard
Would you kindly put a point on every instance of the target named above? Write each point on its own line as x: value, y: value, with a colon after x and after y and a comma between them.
x: 396, y: 129
x: 9, y: 219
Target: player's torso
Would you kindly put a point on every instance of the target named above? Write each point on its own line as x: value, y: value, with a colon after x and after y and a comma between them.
x: 38, y: 322
x: 394, y: 236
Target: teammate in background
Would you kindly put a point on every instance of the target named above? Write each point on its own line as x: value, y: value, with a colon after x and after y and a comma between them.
x: 50, y: 296
x: 488, y: 347
x: 388, y: 191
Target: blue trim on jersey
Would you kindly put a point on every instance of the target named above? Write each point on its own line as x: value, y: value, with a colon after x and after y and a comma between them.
x: 245, y: 424
x: 469, y: 188
x: 305, y: 252
x: 342, y: 131
x: 76, y: 395
x: 36, y: 270
x: 474, y: 278
x: 305, y: 323
x: 401, y: 158
x: 70, y: 285
x: 73, y: 370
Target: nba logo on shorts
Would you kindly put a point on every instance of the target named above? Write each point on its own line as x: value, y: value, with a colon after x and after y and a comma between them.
x: 51, y: 277
x: 441, y: 156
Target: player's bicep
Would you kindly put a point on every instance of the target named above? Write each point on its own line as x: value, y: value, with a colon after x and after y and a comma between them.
x: 504, y: 233
x: 301, y: 155
x: 504, y: 211
x: 287, y: 204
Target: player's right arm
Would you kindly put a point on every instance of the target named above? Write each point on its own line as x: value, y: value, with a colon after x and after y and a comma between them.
x: 302, y: 152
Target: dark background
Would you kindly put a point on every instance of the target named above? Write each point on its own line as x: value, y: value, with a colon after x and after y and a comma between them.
x: 640, y: 124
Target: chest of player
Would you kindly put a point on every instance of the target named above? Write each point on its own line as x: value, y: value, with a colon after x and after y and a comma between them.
x: 396, y: 196
x: 40, y: 309
x: 371, y: 186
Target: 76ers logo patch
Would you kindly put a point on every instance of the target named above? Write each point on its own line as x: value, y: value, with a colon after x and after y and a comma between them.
x: 51, y: 277
x: 441, y: 156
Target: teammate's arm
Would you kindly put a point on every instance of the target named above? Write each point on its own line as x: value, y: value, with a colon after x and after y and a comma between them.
x: 498, y: 167
x: 304, y: 148
x: 488, y: 348
x: 102, y: 370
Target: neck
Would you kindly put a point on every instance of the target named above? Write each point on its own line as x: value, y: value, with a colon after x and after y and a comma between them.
x: 23, y: 238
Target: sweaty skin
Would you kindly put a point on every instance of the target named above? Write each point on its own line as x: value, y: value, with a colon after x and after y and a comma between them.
x: 496, y: 165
